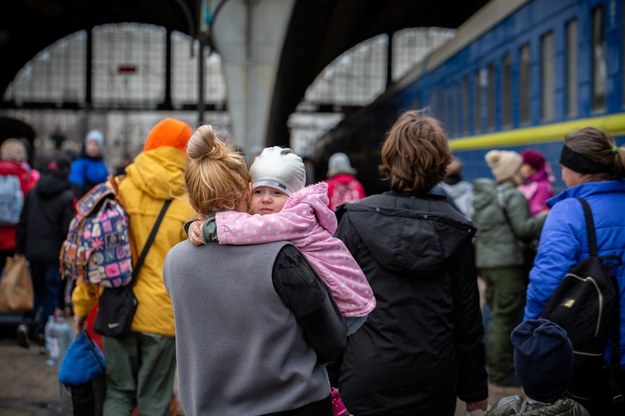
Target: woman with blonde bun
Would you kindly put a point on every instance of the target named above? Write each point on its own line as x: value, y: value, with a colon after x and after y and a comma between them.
x: 254, y: 324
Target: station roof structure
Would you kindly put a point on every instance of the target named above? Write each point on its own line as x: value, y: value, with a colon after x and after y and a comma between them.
x: 317, y: 33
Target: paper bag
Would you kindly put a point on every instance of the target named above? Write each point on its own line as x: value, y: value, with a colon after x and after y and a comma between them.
x: 16, y: 286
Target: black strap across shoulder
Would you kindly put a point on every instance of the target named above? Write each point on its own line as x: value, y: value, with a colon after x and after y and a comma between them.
x: 616, y: 329
x: 148, y: 243
x: 590, y: 228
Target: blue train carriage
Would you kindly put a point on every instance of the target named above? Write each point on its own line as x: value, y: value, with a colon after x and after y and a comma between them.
x: 522, y: 74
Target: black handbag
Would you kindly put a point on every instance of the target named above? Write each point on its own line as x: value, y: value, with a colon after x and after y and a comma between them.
x: 117, y: 306
x: 116, y: 310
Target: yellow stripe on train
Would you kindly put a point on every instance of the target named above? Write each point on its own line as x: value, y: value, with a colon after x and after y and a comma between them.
x: 613, y: 124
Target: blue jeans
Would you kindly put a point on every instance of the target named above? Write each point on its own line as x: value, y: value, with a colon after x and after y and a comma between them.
x: 46, y: 285
x: 354, y: 323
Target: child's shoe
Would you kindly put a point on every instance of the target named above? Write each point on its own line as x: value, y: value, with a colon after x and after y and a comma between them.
x: 338, y: 407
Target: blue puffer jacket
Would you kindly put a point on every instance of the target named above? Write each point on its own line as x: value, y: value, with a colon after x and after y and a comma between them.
x: 86, y: 172
x: 564, y: 243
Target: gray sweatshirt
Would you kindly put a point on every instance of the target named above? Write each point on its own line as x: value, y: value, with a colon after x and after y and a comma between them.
x: 243, y: 347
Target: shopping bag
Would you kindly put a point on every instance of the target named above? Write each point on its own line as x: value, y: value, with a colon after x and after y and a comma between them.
x: 82, y: 378
x: 16, y: 286
x: 84, y: 400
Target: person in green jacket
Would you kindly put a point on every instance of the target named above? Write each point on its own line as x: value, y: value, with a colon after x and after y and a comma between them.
x: 505, y: 225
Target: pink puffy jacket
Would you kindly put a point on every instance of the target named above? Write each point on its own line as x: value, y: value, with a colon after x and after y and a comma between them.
x: 308, y: 223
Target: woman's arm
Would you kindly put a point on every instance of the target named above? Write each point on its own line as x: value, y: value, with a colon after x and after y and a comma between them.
x: 557, y: 253
x: 468, y: 330
x: 309, y: 299
x: 524, y: 226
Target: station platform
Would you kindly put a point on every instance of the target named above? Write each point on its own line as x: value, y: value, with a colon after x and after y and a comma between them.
x: 29, y: 387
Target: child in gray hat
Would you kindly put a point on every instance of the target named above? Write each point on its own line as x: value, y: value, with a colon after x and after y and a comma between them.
x: 543, y: 357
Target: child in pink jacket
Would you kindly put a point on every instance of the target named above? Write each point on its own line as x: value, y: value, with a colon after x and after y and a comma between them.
x: 281, y: 208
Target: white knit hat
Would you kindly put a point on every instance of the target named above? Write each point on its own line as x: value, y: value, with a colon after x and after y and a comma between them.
x: 504, y: 164
x: 339, y: 163
x: 278, y: 168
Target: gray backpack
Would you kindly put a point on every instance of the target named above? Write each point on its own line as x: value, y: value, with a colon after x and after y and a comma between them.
x: 11, y: 200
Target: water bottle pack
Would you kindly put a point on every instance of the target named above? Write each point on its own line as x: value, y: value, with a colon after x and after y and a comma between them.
x: 58, y: 337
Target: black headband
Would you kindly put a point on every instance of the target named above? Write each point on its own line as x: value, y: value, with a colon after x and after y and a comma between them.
x: 579, y: 163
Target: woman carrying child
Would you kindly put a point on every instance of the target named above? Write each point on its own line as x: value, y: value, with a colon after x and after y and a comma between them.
x: 300, y: 215
x: 254, y: 325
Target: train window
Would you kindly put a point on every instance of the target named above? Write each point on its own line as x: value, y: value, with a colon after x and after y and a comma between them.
x: 599, y: 73
x: 435, y: 104
x: 476, y: 103
x: 490, y: 88
x: 547, y: 77
x: 449, y: 120
x: 455, y: 102
x: 571, y: 68
x: 524, y: 84
x: 465, y: 105
x: 506, y: 90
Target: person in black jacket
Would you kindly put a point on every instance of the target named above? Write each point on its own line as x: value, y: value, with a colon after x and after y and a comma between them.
x: 421, y: 347
x: 48, y: 210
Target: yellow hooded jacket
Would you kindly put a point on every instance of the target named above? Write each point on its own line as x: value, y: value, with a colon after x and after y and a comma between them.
x: 155, y: 176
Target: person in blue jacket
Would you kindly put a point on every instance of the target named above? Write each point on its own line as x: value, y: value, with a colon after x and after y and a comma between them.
x: 593, y: 167
x: 89, y: 169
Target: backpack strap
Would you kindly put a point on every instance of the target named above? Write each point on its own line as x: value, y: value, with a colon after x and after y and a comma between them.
x: 146, y: 248
x: 590, y: 228
x: 616, y: 329
x: 114, y: 181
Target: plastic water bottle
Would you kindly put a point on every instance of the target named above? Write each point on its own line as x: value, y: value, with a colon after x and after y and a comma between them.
x: 58, y: 337
x: 64, y: 335
x: 52, y: 341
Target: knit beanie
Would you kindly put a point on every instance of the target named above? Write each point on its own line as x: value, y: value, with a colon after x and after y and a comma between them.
x: 339, y: 163
x: 169, y: 132
x: 278, y: 168
x: 61, y: 164
x: 13, y: 149
x: 97, y: 136
x: 504, y: 164
x: 543, y: 357
x: 533, y: 158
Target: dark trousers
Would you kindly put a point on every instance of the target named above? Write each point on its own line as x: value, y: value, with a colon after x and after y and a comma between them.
x: 505, y: 294
x: 46, y: 286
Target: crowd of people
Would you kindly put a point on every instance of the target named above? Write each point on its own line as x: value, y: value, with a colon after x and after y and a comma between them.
x: 268, y: 293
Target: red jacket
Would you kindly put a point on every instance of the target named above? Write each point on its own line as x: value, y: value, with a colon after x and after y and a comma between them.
x: 27, y: 181
x: 344, y: 188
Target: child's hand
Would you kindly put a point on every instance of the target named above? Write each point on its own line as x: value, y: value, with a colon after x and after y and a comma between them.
x: 195, y: 233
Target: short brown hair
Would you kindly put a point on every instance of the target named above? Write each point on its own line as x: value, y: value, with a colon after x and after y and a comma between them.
x: 216, y: 176
x: 415, y: 154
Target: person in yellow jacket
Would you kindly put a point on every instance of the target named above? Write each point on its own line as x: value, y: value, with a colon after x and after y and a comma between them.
x: 140, y: 367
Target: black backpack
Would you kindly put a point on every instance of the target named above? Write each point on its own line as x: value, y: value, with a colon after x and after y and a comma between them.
x: 586, y: 305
